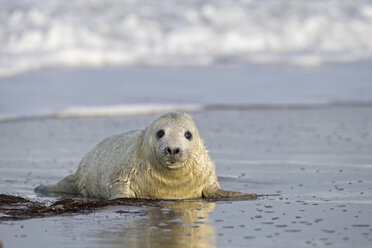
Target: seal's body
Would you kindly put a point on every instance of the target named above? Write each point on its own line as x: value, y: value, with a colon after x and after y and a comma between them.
x: 166, y: 160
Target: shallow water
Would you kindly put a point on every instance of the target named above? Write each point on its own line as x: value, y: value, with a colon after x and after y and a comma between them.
x: 59, y: 91
x: 317, y: 159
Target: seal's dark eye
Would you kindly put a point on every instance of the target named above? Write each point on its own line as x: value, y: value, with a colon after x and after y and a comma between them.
x: 188, y: 135
x: 160, y: 133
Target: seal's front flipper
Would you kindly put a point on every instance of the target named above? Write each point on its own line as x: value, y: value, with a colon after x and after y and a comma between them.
x: 223, y: 194
x: 227, y: 193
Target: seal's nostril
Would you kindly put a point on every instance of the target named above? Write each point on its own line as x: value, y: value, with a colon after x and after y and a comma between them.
x: 171, y: 151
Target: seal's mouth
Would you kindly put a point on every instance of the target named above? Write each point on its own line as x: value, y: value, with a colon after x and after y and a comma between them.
x: 172, y: 162
x: 173, y: 166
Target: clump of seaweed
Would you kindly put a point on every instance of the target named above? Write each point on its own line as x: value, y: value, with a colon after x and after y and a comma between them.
x: 14, y: 207
x: 19, y: 208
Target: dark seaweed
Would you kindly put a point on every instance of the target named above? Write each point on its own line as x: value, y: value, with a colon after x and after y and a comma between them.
x: 14, y: 207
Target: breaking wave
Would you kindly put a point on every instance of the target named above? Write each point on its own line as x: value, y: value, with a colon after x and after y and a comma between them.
x: 38, y: 34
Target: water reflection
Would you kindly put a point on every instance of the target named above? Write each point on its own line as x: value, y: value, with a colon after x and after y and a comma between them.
x: 175, y: 224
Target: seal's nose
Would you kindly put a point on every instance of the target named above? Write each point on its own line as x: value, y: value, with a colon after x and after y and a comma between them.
x: 170, y: 151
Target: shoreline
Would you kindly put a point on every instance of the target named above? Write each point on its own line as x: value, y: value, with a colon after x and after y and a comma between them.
x: 124, y: 91
x: 156, y: 109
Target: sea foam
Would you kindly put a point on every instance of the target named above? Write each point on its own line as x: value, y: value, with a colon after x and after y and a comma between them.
x: 38, y: 34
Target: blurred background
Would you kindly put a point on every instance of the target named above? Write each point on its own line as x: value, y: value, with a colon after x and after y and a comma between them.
x: 63, y: 55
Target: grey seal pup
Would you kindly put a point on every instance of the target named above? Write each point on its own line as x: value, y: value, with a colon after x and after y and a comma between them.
x: 166, y: 160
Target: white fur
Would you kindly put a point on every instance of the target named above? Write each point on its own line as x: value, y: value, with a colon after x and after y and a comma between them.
x: 134, y: 164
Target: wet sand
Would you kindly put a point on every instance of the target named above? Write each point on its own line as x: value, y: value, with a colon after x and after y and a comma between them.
x: 318, y: 159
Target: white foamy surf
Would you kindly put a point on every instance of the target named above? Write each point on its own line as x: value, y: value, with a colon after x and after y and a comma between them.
x: 107, y: 111
x: 38, y: 34
x: 126, y: 110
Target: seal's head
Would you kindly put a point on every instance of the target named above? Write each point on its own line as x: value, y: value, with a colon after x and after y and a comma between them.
x: 172, y: 139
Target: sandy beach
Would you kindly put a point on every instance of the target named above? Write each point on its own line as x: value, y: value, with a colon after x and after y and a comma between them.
x: 318, y: 159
